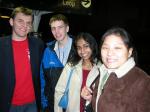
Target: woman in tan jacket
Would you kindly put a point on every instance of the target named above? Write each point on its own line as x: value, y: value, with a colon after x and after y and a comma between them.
x: 85, y: 70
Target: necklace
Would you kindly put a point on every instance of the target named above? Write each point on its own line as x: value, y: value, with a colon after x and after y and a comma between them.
x: 87, y: 66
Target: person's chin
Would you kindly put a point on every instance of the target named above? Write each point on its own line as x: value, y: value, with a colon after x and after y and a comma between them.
x: 112, y: 66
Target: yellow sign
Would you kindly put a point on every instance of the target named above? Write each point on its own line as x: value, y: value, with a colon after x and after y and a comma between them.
x: 86, y: 3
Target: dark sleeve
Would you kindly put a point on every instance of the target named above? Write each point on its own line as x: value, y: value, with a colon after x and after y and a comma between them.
x: 95, y: 94
x: 144, y: 98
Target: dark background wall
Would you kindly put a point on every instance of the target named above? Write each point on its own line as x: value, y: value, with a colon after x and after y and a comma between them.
x: 134, y: 17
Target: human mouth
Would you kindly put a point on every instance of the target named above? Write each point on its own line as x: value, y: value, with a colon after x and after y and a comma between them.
x: 111, y: 60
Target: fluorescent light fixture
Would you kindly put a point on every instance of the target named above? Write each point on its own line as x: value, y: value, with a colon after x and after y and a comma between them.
x: 5, y: 17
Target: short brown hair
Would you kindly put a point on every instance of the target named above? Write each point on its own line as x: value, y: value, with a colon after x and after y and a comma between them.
x: 59, y: 17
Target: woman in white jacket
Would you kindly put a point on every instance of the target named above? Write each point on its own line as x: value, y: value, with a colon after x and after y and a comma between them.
x: 85, y: 69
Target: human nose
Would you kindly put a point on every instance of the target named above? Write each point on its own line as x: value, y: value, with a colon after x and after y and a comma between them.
x: 56, y: 30
x: 82, y: 50
x: 110, y: 51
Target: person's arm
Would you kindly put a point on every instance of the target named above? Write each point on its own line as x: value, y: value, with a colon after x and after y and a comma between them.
x: 44, y: 101
x: 143, y: 95
x: 60, y: 88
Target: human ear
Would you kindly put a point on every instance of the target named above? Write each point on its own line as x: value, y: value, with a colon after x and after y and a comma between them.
x: 130, y: 52
x: 67, y: 28
x: 11, y: 21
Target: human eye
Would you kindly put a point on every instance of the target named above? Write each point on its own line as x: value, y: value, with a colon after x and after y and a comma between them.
x: 78, y: 48
x: 61, y: 27
x: 118, y: 48
x: 86, y: 46
x: 104, y: 47
x: 20, y: 21
x: 29, y: 24
x: 53, y: 28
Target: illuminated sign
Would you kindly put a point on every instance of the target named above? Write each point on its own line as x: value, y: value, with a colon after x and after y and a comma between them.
x: 86, y: 3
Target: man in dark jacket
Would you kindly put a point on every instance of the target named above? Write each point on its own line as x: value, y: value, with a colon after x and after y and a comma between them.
x: 56, y: 55
x: 20, y: 58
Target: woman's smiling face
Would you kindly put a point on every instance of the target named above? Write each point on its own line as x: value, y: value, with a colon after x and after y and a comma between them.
x: 114, y: 52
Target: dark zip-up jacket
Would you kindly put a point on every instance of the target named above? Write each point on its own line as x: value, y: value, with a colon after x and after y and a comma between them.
x: 7, y: 70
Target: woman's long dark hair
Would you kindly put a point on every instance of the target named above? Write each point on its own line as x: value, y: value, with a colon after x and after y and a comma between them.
x: 92, y: 44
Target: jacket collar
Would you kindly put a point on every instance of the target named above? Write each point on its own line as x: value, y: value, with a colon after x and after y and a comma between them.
x: 122, y: 70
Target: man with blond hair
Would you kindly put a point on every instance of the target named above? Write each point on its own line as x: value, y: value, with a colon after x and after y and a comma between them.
x: 20, y: 58
x: 56, y: 55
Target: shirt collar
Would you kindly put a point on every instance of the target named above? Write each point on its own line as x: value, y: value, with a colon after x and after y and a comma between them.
x: 69, y: 41
x: 122, y: 70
